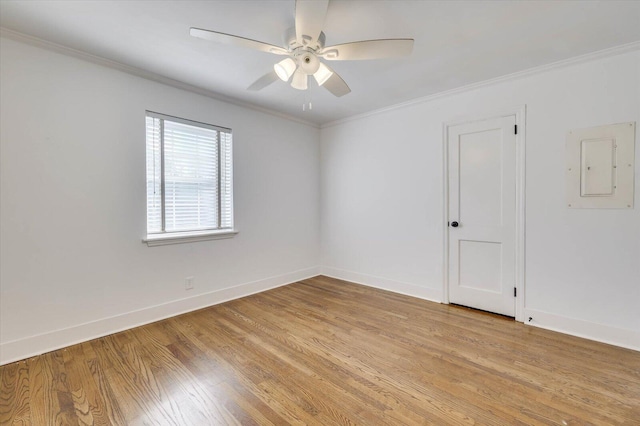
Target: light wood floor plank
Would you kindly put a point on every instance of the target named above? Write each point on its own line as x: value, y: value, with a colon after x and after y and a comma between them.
x: 14, y: 395
x: 87, y: 399
x: 50, y: 401
x: 327, y: 352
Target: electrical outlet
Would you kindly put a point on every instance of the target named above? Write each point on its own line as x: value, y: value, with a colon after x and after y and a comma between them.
x: 188, y: 283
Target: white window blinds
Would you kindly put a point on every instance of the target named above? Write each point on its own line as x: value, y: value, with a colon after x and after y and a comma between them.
x: 189, y: 176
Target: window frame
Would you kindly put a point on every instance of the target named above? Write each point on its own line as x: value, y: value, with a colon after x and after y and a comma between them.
x: 202, y: 234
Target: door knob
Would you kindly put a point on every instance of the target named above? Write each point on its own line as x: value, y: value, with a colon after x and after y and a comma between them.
x: 454, y: 224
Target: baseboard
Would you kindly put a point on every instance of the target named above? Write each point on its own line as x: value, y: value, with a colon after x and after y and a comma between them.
x: 407, y: 289
x: 35, y: 345
x: 625, y: 338
x: 27, y: 347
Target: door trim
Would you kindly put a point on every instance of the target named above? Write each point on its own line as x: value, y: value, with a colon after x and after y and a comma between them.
x: 520, y: 114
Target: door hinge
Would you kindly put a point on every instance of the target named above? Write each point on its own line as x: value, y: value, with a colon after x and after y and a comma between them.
x: 515, y: 292
x: 515, y: 129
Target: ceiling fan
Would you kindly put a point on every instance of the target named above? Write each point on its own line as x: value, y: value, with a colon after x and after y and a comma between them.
x: 305, y: 47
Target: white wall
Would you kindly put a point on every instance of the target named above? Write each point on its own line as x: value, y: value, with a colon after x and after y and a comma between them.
x: 73, y: 204
x: 382, y: 202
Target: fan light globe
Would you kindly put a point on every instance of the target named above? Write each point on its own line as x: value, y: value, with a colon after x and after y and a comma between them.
x: 285, y: 68
x: 323, y: 74
x: 299, y: 80
x: 309, y: 63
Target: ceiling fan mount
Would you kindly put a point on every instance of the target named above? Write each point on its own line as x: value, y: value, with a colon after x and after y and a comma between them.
x: 304, y: 46
x: 291, y: 40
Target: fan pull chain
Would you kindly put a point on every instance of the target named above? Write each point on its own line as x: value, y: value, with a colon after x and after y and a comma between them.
x: 306, y: 103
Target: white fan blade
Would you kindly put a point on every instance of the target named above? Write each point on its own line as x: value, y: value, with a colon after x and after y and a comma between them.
x: 310, y: 16
x: 264, y: 81
x: 368, y: 49
x: 336, y: 85
x: 232, y: 40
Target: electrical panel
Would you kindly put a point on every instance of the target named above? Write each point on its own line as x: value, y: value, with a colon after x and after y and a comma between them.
x: 600, y: 167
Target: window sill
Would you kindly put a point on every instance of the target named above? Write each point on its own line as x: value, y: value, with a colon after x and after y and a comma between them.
x: 187, y: 237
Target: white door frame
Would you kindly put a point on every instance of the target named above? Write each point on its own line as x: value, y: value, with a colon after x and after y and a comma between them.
x: 520, y: 113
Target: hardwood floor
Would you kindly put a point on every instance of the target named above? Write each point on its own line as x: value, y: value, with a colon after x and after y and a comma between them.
x: 324, y: 351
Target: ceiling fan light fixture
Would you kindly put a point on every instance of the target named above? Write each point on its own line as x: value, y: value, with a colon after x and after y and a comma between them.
x: 323, y: 74
x: 299, y: 80
x: 285, y: 69
x: 304, y: 48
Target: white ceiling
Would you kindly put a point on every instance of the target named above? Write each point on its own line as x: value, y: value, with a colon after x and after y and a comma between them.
x: 456, y: 42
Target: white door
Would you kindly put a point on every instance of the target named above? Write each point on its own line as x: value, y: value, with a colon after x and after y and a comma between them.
x: 482, y: 209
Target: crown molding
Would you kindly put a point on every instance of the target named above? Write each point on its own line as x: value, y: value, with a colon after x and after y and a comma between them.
x: 139, y: 72
x: 600, y: 54
x: 38, y: 42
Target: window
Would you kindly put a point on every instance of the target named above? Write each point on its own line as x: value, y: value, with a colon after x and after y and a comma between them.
x: 189, y: 180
